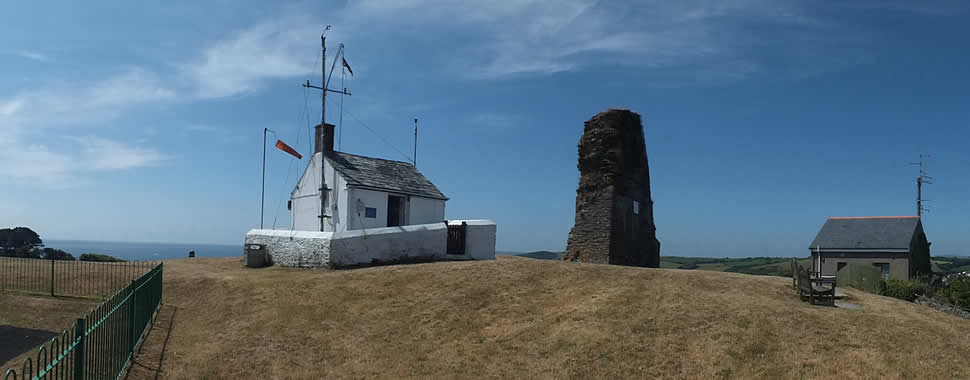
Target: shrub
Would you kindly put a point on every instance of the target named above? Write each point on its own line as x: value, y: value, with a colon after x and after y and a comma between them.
x: 52, y: 254
x: 688, y: 266
x: 99, y: 258
x: 905, y: 290
x: 957, y: 291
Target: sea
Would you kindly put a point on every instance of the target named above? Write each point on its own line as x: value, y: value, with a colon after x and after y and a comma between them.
x: 144, y: 251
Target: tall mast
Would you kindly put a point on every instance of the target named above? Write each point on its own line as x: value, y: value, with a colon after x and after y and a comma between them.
x: 323, y: 126
x: 323, y: 78
x: 920, y: 180
x: 323, y: 115
x: 414, y: 159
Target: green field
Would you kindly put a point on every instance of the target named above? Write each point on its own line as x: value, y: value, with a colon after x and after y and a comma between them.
x: 767, y: 266
x: 950, y: 264
x: 770, y: 266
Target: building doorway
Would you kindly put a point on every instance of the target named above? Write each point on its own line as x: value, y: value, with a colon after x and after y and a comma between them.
x: 396, y: 211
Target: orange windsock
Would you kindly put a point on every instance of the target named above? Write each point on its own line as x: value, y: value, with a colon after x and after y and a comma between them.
x: 286, y: 148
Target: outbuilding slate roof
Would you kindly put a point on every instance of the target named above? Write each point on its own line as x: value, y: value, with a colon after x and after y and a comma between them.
x: 378, y: 173
x: 879, y: 232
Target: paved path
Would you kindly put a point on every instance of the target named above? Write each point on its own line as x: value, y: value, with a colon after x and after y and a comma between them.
x: 17, y: 341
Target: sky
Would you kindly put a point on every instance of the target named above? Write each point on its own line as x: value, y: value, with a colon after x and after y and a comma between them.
x: 143, y: 121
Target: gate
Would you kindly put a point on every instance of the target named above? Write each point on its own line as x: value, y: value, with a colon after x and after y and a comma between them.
x: 456, y: 238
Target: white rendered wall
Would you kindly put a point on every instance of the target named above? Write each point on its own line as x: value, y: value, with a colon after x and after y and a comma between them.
x: 479, y: 238
x: 425, y: 242
x: 426, y: 210
x: 305, y: 206
x: 306, y: 199
x: 337, y: 200
x: 367, y: 198
x: 307, y: 249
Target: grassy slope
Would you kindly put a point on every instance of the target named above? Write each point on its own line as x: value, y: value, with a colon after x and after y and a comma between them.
x: 520, y: 318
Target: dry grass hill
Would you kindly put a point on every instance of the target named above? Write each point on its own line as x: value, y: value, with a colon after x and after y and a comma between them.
x: 522, y: 318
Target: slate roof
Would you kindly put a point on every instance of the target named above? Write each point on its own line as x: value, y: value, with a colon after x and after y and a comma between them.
x: 378, y: 173
x: 880, y: 232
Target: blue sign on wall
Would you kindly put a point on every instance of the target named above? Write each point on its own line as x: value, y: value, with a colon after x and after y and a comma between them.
x: 370, y: 212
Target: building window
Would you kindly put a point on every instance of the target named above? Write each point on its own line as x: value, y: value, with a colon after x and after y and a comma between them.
x: 839, y: 267
x: 636, y: 207
x: 884, y: 267
x: 370, y: 212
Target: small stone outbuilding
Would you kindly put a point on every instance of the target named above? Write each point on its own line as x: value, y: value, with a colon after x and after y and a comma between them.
x: 896, y: 245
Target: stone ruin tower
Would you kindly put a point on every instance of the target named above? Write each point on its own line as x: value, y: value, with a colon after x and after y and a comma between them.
x: 614, y: 211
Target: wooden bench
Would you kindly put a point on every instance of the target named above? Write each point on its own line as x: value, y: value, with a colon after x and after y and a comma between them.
x: 812, y: 289
x: 794, y: 273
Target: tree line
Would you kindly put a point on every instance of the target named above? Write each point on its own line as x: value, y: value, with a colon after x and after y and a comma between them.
x: 25, y: 243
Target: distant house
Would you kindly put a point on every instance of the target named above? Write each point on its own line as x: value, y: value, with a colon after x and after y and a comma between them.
x: 361, y: 192
x: 894, y: 244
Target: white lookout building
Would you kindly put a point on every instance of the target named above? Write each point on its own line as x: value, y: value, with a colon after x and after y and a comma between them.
x: 361, y: 192
x: 350, y: 210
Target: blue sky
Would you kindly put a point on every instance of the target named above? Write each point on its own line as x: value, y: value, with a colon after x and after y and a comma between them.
x: 138, y: 121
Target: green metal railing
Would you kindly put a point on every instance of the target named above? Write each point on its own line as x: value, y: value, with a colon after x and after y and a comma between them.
x: 68, y: 277
x: 101, y: 343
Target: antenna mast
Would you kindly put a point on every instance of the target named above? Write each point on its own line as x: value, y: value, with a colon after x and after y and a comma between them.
x: 414, y: 158
x: 920, y: 180
x: 325, y: 79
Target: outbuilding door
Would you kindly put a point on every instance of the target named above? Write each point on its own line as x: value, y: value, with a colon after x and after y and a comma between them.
x: 395, y: 211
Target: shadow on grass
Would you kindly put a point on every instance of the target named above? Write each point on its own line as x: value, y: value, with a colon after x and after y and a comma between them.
x: 150, y: 358
x: 17, y: 341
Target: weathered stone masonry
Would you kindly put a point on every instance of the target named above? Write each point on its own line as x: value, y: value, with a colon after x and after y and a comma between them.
x: 614, y: 211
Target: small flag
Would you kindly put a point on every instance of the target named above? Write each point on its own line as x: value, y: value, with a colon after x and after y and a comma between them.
x: 286, y: 148
x: 347, y: 66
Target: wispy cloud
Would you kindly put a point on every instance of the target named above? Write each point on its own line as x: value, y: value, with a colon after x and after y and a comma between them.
x: 518, y: 38
x: 34, y: 163
x: 242, y: 62
x: 525, y: 37
x: 103, y: 154
x: 495, y: 120
x: 11, y: 106
x: 29, y: 117
x: 34, y: 55
x: 78, y: 105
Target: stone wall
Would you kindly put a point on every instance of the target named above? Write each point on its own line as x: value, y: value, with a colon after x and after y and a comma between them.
x: 944, y: 307
x: 614, y: 209
x: 308, y: 249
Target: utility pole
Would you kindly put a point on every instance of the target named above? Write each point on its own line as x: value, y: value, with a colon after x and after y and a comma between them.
x: 414, y: 158
x: 325, y: 79
x: 920, y: 180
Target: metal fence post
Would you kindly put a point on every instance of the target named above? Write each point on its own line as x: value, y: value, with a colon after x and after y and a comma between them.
x: 131, y: 318
x: 52, y: 277
x: 79, y: 330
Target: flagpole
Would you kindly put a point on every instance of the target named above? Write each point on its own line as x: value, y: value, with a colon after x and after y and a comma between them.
x: 262, y: 193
